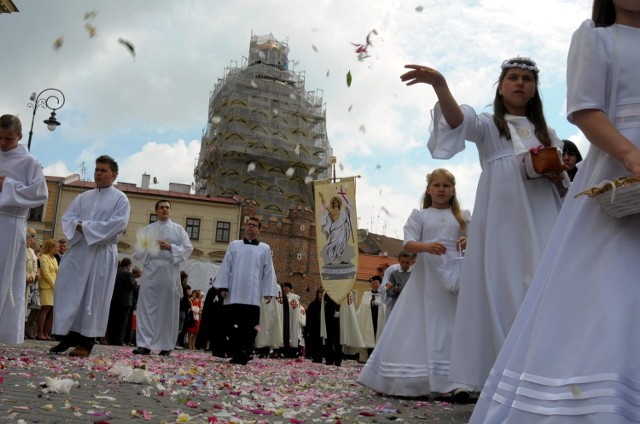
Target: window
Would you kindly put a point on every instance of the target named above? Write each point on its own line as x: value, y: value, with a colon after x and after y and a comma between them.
x: 193, y: 228
x: 153, y: 218
x: 35, y: 214
x: 223, y: 232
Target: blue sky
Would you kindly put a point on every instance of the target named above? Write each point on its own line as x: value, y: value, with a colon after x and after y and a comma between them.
x: 149, y: 111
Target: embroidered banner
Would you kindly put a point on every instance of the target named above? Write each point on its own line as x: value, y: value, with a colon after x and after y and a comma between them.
x: 336, y: 235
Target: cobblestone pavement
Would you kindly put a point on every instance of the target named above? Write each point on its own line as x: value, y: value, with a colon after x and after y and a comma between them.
x: 115, y: 386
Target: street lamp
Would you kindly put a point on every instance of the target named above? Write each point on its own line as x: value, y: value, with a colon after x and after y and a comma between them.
x: 53, y: 100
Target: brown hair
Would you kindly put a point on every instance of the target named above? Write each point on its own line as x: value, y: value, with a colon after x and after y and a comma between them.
x: 11, y: 123
x: 603, y: 13
x: 534, y: 108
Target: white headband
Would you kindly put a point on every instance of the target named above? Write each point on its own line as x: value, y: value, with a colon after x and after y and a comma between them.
x: 517, y: 62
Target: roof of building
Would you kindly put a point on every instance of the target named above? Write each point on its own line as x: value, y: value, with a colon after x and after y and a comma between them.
x: 369, y: 265
x: 377, y: 244
x: 73, y: 181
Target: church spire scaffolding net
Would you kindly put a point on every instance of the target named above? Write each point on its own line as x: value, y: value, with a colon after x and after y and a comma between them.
x: 266, y: 136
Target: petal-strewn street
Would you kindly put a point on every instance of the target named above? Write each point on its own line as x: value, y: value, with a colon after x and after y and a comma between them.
x: 114, y: 386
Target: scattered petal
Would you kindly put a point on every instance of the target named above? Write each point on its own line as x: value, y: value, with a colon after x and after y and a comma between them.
x: 216, y: 119
x: 362, y: 129
x: 308, y: 179
x: 327, y: 73
x: 296, y: 150
x: 290, y: 172
x: 90, y: 15
x: 419, y: 8
x: 251, y: 167
x: 292, y: 96
x: 315, y: 49
x: 91, y: 30
x: 349, y: 79
x: 378, y: 166
x: 254, y: 84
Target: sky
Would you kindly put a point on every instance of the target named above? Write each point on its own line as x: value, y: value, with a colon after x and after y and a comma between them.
x: 149, y: 110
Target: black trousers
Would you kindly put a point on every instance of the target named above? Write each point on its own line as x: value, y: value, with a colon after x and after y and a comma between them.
x: 117, y: 327
x: 242, y: 326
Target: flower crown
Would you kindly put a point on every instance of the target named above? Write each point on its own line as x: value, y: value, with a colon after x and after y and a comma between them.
x: 518, y: 62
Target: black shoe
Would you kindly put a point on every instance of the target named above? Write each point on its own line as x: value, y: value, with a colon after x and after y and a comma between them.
x: 165, y: 353
x: 60, y: 347
x: 141, y: 351
x: 460, y: 396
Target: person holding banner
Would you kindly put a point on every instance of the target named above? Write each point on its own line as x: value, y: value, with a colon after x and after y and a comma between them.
x: 411, y: 357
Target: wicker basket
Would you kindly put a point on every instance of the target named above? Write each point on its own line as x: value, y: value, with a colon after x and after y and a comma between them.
x: 617, y: 198
x: 543, y: 161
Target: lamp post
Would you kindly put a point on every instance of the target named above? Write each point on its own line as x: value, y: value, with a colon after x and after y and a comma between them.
x: 52, y: 99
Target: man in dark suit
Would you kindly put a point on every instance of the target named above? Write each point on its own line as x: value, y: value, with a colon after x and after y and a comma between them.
x: 121, y: 303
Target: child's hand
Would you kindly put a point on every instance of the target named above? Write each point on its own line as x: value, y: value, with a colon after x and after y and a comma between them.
x: 436, y: 248
x: 422, y: 74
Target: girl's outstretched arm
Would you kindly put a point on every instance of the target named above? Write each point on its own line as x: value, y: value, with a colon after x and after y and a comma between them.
x: 448, y: 104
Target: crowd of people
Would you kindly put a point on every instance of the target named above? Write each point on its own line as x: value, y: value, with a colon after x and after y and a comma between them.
x: 533, y: 303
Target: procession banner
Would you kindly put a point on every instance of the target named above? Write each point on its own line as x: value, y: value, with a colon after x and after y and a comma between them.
x: 336, y: 235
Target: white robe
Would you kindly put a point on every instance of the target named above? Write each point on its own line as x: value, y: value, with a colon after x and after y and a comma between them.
x: 270, y: 330
x: 24, y: 187
x: 365, y: 320
x: 294, y: 317
x: 247, y: 271
x: 412, y: 356
x: 572, y: 354
x: 158, y: 308
x: 513, y: 220
x: 87, y: 272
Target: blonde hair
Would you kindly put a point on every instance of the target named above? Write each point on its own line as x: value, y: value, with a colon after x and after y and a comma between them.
x: 48, y: 245
x: 31, y: 233
x: 427, y: 201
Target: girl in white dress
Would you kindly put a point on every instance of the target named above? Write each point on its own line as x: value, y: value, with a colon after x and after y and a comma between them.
x: 411, y: 357
x: 572, y: 354
x: 513, y: 216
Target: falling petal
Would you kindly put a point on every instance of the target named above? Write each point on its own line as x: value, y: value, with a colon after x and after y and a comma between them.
x: 91, y: 30
x: 296, y: 150
x: 292, y: 96
x: 58, y: 43
x: 261, y: 54
x: 383, y: 209
x: 315, y: 49
x: 349, y: 79
x: 90, y: 15
x: 419, y: 9
x: 251, y: 167
x: 362, y: 129
x: 327, y: 73
x: 312, y: 170
x: 341, y: 166
x: 129, y: 45
x: 254, y: 84
x: 275, y: 112
x: 350, y: 107
x: 216, y: 119
x: 378, y: 166
x: 290, y: 172
x: 308, y: 179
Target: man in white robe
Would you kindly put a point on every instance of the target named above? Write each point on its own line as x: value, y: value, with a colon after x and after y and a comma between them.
x: 371, y: 316
x: 158, y: 309
x: 289, y: 303
x: 247, y: 272
x: 93, y: 223
x: 22, y: 186
x: 269, y: 337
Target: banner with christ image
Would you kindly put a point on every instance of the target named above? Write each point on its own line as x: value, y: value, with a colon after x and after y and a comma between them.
x: 336, y: 235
